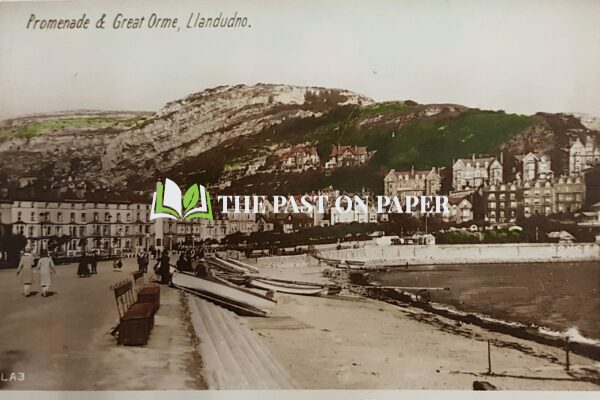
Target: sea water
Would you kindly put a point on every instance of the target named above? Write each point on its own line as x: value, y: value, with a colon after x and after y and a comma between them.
x: 561, y: 298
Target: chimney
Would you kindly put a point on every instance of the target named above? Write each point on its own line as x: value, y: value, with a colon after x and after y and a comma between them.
x: 473, y: 157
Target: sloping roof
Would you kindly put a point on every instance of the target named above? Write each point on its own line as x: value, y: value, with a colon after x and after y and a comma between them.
x: 296, y: 150
x: 412, y: 174
x: 537, y: 155
x: 355, y: 150
x: 480, y: 160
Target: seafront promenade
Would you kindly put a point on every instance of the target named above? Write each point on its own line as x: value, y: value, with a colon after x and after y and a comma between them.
x: 62, y: 342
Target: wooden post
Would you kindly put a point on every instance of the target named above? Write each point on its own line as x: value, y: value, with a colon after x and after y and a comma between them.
x: 567, y: 353
x: 489, y: 357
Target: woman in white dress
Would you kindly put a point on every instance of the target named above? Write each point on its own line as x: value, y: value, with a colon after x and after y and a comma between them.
x: 25, y: 269
x: 46, y: 267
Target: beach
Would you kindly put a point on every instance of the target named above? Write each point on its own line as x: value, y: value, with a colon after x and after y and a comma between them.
x: 352, y: 342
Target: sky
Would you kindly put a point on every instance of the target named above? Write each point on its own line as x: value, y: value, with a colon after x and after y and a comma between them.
x: 521, y: 56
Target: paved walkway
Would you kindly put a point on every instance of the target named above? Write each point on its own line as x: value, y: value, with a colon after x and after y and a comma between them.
x: 62, y: 342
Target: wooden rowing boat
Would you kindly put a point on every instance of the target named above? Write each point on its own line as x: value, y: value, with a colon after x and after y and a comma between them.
x: 287, y: 287
x: 232, y: 297
x: 355, y: 262
x: 241, y: 264
x: 224, y: 266
x: 293, y: 287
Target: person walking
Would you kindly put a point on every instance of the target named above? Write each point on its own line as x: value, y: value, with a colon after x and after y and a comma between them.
x: 94, y: 263
x: 162, y: 268
x: 83, y: 268
x: 140, y: 262
x: 145, y: 261
x: 25, y: 269
x: 46, y: 267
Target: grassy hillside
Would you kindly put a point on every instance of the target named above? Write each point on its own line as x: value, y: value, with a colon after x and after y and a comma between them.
x: 398, y: 131
x: 427, y: 142
x: 50, y: 125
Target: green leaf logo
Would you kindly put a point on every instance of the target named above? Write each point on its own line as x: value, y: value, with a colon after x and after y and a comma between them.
x: 192, y: 195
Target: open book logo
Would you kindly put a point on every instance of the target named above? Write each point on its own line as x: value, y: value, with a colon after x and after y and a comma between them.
x: 167, y: 202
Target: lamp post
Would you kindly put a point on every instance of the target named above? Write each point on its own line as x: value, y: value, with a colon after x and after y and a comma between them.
x: 109, y: 236
x: 41, y: 243
x: 170, y: 244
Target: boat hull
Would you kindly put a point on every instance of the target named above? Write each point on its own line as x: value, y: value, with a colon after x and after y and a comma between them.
x: 280, y: 287
x: 239, y: 300
x: 241, y: 264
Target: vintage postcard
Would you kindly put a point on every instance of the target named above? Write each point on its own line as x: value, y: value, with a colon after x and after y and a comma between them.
x: 205, y: 196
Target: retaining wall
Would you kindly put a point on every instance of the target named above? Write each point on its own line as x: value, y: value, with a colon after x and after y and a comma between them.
x: 375, y: 255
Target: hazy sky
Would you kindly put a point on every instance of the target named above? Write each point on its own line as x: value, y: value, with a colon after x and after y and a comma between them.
x: 521, y: 56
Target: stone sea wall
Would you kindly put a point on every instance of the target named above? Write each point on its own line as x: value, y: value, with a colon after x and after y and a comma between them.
x: 448, y: 254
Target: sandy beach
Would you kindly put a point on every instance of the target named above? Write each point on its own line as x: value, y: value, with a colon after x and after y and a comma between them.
x: 346, y: 342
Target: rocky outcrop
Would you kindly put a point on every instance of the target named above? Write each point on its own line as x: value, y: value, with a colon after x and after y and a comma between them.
x: 188, y: 127
x: 181, y: 130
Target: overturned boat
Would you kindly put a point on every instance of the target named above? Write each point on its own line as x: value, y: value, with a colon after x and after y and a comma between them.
x: 289, y: 288
x: 223, y: 265
x: 235, y: 298
x: 241, y: 264
x: 292, y: 287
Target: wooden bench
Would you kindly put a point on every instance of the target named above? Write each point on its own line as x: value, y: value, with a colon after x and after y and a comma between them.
x: 146, y: 294
x: 136, y: 319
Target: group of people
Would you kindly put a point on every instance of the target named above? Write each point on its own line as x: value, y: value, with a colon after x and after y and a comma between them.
x: 188, y: 261
x: 143, y: 260
x: 88, y: 265
x: 27, y: 266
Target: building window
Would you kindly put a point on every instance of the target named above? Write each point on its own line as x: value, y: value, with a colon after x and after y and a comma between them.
x: 59, y: 217
x: 19, y: 216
